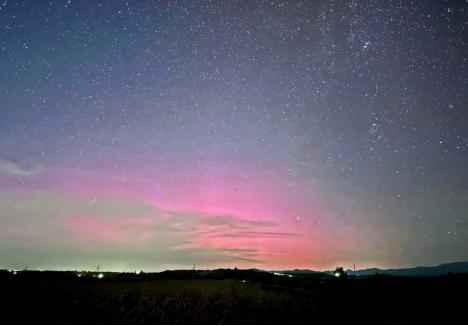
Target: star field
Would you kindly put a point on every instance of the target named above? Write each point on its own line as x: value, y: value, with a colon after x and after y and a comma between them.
x: 305, y: 134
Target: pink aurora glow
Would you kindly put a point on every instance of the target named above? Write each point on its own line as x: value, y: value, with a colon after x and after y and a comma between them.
x: 263, y: 217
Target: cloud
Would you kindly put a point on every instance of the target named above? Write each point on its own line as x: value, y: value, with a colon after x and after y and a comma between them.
x: 186, y: 221
x: 55, y: 230
x: 259, y: 234
x: 9, y: 168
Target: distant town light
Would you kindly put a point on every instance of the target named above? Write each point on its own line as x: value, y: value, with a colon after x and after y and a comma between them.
x: 337, y: 274
x: 79, y: 275
x: 282, y: 274
x: 100, y: 275
x: 138, y: 272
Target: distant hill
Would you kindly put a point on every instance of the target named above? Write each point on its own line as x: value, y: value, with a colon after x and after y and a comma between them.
x: 457, y: 267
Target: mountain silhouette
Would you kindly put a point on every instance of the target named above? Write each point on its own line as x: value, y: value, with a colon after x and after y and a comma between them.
x: 455, y: 267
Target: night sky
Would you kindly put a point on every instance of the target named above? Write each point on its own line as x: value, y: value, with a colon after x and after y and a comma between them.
x: 295, y: 134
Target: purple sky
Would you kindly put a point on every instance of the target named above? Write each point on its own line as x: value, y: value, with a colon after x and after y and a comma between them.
x: 297, y: 134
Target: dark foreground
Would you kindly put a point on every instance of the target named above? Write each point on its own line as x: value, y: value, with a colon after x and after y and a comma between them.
x: 230, y: 297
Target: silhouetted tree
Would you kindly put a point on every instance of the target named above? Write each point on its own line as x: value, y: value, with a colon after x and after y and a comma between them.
x: 340, y: 273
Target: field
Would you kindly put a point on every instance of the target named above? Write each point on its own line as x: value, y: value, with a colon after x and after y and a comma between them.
x: 229, y: 297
